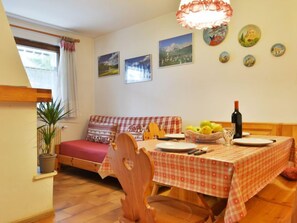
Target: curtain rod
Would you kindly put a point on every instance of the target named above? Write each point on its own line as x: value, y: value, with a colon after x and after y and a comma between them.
x: 46, y: 33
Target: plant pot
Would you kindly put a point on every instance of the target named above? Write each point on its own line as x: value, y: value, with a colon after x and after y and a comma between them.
x: 47, y: 162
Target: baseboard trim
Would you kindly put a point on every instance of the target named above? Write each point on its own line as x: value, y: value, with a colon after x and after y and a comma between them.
x: 37, y: 217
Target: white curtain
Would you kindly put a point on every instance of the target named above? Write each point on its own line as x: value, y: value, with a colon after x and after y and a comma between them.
x: 67, y: 81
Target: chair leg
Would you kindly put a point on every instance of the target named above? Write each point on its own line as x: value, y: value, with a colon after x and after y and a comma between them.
x: 155, y: 189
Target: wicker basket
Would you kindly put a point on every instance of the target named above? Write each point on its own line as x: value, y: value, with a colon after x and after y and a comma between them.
x: 192, y: 136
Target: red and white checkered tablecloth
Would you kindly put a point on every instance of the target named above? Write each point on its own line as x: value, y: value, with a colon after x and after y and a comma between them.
x: 236, y: 172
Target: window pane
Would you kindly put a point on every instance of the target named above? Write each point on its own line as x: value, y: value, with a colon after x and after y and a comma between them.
x: 41, y: 66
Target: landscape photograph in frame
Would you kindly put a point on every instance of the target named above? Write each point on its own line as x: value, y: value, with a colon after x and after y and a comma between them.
x: 108, y: 64
x: 138, y: 69
x: 176, y: 50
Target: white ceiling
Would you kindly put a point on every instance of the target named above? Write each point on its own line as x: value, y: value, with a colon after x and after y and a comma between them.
x: 89, y: 17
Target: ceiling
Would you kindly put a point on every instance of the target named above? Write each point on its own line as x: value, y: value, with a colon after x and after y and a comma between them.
x: 88, y: 17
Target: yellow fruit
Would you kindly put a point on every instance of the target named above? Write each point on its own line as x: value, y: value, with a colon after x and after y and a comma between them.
x: 217, y: 128
x: 206, y: 130
x: 197, y: 128
x: 213, y: 124
x: 205, y: 123
x: 190, y: 127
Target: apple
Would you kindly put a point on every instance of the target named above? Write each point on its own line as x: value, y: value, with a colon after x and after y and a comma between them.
x: 205, y: 123
x: 206, y: 130
x: 190, y: 127
x: 217, y: 128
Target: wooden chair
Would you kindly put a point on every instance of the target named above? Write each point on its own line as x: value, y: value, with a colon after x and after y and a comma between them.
x: 153, y: 132
x: 134, y: 169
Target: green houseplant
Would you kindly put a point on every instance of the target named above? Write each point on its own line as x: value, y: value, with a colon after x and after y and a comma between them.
x: 49, y: 113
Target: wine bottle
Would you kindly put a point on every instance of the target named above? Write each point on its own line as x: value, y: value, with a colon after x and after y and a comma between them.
x: 236, y: 118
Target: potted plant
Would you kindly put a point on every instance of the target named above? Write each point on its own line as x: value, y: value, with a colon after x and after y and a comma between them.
x: 49, y: 113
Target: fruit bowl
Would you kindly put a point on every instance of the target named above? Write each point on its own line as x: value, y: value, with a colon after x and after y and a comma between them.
x: 192, y: 136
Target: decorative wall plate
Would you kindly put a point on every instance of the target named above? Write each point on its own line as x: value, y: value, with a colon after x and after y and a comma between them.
x: 278, y: 49
x: 224, y: 57
x: 214, y: 36
x: 249, y: 60
x: 249, y: 35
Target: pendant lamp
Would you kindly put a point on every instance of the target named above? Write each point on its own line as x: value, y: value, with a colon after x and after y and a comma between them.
x: 200, y: 14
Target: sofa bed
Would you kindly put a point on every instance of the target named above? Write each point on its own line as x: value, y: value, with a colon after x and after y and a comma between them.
x: 88, y: 153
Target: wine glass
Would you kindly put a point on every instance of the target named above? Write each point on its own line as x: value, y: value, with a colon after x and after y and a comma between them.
x: 228, y: 133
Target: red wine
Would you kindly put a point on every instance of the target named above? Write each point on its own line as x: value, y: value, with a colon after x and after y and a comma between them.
x: 237, y: 119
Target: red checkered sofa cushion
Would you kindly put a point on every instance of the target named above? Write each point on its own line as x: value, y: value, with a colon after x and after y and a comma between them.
x: 91, y: 151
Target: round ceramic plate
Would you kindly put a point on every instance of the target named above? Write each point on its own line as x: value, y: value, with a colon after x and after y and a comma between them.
x: 214, y: 36
x: 252, y: 141
x: 249, y: 60
x: 176, y: 146
x: 249, y: 35
x: 224, y: 57
x: 278, y: 50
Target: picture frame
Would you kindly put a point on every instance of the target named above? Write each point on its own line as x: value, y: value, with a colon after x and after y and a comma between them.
x: 138, y: 69
x: 109, y: 64
x: 176, y: 50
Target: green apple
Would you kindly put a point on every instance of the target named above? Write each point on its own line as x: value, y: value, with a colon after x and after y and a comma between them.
x: 197, y: 128
x: 217, y: 128
x: 190, y: 127
x: 205, y: 123
x: 213, y: 124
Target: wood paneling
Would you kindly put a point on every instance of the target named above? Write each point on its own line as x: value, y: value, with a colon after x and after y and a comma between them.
x: 277, y: 129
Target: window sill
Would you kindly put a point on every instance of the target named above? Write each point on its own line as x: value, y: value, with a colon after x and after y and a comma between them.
x: 41, y: 176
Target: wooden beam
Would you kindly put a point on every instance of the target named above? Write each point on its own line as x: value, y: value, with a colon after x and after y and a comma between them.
x: 24, y: 94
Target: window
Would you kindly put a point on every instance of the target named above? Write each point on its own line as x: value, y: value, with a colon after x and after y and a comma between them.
x: 41, y: 63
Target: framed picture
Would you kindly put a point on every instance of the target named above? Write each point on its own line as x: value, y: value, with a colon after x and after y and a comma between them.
x: 177, y: 50
x: 138, y: 69
x: 108, y: 64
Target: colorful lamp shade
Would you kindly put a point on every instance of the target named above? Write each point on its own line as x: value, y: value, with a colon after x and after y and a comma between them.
x: 202, y: 14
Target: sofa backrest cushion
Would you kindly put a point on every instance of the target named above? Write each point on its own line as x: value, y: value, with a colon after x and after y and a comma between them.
x: 170, y: 124
x: 101, y: 132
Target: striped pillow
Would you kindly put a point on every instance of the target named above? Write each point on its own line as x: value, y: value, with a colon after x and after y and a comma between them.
x: 101, y: 132
x: 136, y: 131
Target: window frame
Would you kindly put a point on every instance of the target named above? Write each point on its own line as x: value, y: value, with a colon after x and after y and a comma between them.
x: 40, y: 45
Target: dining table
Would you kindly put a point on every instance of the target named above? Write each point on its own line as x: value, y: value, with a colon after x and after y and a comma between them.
x: 236, y: 172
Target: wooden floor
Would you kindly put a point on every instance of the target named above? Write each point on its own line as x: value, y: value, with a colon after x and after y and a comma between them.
x: 82, y: 196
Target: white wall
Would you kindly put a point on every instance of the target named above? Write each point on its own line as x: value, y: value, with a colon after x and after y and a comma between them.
x: 207, y: 88
x: 76, y: 128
